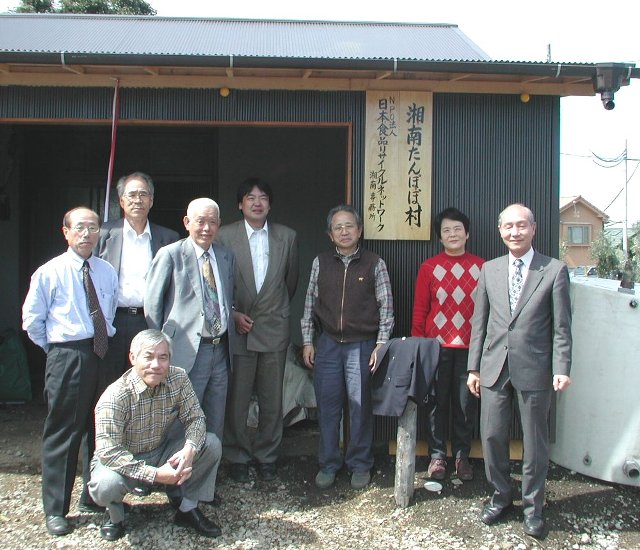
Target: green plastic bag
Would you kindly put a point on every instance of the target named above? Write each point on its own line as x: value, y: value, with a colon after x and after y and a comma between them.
x: 14, y: 369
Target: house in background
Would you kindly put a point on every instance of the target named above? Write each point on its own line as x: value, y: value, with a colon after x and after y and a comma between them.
x: 581, y: 223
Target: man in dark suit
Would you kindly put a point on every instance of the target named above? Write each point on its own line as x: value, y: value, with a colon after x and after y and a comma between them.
x: 129, y: 244
x: 520, y: 349
x: 266, y: 277
x: 189, y: 295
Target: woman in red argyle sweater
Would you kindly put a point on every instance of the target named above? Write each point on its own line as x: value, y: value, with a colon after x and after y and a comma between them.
x: 442, y: 309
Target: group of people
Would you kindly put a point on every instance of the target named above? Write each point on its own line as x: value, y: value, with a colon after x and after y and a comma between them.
x: 156, y: 344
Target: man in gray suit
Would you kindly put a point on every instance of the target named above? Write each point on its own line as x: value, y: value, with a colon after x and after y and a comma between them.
x: 189, y: 296
x: 129, y: 244
x: 520, y: 349
x: 266, y: 277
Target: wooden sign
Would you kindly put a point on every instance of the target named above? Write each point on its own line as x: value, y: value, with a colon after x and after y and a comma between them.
x: 398, y: 151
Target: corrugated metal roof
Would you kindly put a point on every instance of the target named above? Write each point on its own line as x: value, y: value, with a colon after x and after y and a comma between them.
x: 139, y: 35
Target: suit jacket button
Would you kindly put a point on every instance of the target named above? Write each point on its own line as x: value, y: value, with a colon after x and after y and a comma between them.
x: 506, y: 347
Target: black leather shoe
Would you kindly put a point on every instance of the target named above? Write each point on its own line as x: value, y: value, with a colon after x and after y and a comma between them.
x: 533, y: 526
x: 198, y: 521
x: 267, y: 472
x: 240, y: 472
x: 142, y: 491
x: 217, y: 501
x: 58, y: 525
x: 490, y: 513
x: 112, y: 531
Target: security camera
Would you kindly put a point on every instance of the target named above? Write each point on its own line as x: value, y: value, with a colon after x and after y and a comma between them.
x: 608, y: 79
x: 607, y: 100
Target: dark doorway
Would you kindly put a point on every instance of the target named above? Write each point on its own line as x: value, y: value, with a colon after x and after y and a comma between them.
x: 66, y: 166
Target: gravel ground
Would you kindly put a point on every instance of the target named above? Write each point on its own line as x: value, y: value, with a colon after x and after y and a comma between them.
x: 291, y: 513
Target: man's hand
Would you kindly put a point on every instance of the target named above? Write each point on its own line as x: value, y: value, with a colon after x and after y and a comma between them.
x: 373, y: 359
x: 309, y: 355
x: 178, y: 468
x: 473, y: 382
x: 561, y: 382
x: 244, y: 323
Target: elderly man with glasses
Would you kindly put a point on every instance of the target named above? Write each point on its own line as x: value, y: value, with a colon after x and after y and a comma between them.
x: 69, y: 312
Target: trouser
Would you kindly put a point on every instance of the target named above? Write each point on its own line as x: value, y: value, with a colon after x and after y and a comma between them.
x: 452, y: 392
x: 210, y: 377
x: 339, y: 370
x: 262, y: 372
x: 71, y: 390
x: 108, y: 488
x: 495, y: 422
x: 116, y: 362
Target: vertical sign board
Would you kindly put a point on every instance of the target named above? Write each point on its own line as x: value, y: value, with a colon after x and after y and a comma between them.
x: 398, y: 166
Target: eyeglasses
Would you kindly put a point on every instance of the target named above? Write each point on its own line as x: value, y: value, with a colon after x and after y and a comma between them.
x: 82, y: 228
x: 346, y: 226
x: 132, y: 195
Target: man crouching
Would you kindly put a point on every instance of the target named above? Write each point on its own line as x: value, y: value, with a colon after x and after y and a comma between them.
x: 134, y: 417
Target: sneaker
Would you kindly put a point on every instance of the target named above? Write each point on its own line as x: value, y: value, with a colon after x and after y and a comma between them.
x: 437, y: 468
x: 324, y: 480
x: 464, y: 470
x: 359, y: 480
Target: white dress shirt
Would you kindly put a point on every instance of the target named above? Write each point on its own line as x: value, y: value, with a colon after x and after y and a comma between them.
x: 56, y: 309
x: 134, y: 265
x: 259, y: 245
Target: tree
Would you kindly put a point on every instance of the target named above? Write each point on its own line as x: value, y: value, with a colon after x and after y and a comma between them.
x: 607, y: 257
x: 122, y: 7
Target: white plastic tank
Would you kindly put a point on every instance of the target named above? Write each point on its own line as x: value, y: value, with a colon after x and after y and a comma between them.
x: 597, y: 421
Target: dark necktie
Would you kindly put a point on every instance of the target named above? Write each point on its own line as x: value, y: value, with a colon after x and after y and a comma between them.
x: 100, y: 337
x: 516, y: 284
x: 211, y: 300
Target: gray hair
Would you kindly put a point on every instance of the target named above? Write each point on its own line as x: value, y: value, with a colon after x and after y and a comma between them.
x: 343, y: 208
x: 530, y: 215
x: 149, y: 338
x: 200, y: 204
x: 122, y: 182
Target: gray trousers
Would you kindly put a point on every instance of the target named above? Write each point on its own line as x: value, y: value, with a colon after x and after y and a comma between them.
x: 108, y: 488
x: 264, y: 373
x: 495, y: 421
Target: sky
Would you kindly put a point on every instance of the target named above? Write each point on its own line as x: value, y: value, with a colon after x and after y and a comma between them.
x: 577, y: 31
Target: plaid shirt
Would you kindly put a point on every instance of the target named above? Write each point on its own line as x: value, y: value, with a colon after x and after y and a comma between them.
x: 132, y: 418
x: 384, y: 299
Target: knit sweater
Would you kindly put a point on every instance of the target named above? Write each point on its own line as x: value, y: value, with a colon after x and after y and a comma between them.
x: 443, y: 302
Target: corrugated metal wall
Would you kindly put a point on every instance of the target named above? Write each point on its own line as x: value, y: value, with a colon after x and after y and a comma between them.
x: 488, y: 151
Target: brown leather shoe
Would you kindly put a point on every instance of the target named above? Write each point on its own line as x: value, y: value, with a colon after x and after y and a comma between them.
x: 464, y: 470
x: 437, y: 468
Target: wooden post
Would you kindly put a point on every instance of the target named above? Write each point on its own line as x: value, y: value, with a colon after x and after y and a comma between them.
x: 406, y: 455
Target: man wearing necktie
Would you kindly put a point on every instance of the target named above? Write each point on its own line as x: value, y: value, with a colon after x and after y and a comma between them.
x: 266, y: 277
x: 189, y: 294
x: 69, y: 313
x: 520, y: 349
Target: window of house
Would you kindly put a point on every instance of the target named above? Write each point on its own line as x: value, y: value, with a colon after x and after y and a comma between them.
x: 578, y: 234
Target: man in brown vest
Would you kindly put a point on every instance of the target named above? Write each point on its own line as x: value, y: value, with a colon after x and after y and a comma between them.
x: 349, y: 298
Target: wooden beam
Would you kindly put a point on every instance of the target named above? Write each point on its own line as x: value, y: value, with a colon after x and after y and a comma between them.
x: 382, y: 76
x: 229, y: 72
x: 4, y: 68
x: 307, y: 73
x: 422, y: 449
x: 151, y: 70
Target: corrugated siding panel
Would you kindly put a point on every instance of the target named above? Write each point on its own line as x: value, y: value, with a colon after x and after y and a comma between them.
x: 488, y: 151
x: 223, y: 37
